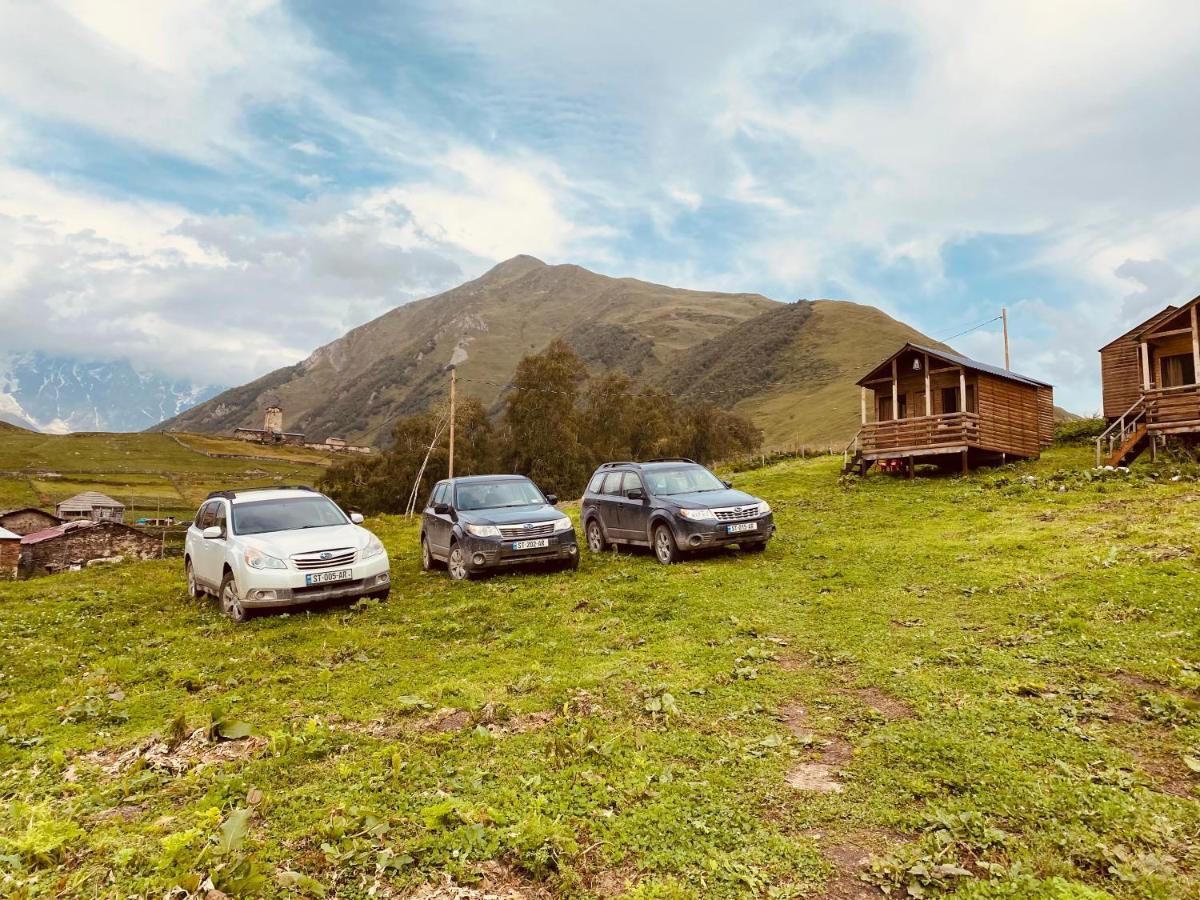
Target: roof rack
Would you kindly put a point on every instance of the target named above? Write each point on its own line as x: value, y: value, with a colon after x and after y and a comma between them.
x: 230, y: 494
x: 682, y: 459
x: 612, y: 465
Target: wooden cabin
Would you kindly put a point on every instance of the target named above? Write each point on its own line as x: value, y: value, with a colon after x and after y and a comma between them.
x: 1150, y: 386
x: 922, y: 404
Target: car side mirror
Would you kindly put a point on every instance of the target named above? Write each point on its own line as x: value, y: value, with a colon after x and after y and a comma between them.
x: 212, y: 532
x: 441, y: 508
x: 552, y: 499
x: 356, y: 518
x: 727, y: 484
x: 635, y: 494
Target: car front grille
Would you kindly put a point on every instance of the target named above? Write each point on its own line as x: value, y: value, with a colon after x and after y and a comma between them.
x: 325, y: 559
x: 527, y: 531
x: 737, y: 513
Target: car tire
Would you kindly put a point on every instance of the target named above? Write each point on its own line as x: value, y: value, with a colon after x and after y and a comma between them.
x: 665, y: 549
x: 754, y: 547
x: 426, y: 555
x: 193, y: 586
x: 456, y: 563
x: 596, y: 540
x: 231, y: 603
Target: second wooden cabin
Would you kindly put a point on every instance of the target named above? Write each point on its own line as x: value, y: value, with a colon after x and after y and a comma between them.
x: 923, y: 404
x: 1150, y: 386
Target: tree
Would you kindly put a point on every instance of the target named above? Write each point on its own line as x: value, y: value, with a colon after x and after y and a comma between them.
x: 542, y: 422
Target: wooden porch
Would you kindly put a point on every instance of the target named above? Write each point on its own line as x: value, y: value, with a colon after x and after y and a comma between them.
x: 920, y: 436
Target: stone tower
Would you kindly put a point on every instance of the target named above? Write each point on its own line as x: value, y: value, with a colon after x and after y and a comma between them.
x: 273, y: 422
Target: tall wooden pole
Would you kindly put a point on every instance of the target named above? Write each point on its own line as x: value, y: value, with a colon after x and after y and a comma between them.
x: 895, y: 393
x: 928, y: 395
x: 1004, y: 322
x: 453, y: 380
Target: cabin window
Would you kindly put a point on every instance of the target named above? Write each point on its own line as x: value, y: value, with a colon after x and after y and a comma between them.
x: 1178, y: 370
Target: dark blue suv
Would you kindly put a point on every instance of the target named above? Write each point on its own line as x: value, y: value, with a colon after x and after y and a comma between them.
x: 673, y: 506
x: 485, y: 522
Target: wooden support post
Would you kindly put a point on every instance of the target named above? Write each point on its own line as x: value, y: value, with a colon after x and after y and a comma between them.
x: 962, y: 389
x: 895, y: 392
x: 912, y: 469
x: 1195, y: 348
x: 453, y: 380
x: 1145, y: 366
x: 862, y: 398
x: 1004, y: 322
x: 966, y: 468
x: 928, y: 394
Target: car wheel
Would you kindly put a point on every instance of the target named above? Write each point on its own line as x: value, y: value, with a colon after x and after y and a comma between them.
x: 665, y: 550
x: 457, y: 563
x: 426, y: 556
x: 595, y: 537
x: 193, y: 587
x: 756, y: 547
x: 231, y: 603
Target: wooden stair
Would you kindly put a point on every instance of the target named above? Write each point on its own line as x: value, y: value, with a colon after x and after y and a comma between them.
x: 1131, y: 449
x: 856, y: 464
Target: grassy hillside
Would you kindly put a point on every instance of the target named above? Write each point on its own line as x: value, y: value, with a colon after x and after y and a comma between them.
x: 988, y: 685
x: 151, y: 473
x: 790, y: 366
x: 358, y: 385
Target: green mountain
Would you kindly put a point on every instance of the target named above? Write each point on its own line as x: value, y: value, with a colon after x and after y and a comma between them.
x: 790, y: 366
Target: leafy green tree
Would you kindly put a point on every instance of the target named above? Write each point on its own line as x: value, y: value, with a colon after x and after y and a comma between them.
x: 542, y: 422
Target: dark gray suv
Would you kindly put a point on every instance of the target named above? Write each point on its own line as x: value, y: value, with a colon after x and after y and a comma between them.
x: 486, y: 522
x: 673, y: 506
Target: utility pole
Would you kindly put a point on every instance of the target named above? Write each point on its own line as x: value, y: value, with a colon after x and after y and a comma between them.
x: 1004, y: 323
x: 453, y: 380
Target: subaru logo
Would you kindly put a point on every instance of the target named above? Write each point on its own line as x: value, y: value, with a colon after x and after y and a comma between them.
x: 326, y: 555
x: 528, y: 525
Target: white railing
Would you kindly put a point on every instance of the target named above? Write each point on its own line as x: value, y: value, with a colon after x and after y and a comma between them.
x: 1119, y: 431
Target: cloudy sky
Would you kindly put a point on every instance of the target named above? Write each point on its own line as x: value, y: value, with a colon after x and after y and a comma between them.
x: 214, y: 189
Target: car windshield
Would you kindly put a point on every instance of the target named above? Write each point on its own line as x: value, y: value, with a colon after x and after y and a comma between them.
x: 684, y: 480
x: 494, y: 494
x: 262, y: 516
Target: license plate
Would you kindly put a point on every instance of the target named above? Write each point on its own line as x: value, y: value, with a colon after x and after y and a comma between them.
x: 327, y: 577
x: 531, y: 545
x: 740, y: 527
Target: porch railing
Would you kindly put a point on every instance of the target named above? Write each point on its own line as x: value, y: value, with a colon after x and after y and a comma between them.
x: 1172, y: 407
x: 949, y: 430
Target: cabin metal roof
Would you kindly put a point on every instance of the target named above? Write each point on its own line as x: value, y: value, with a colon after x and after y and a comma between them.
x: 955, y: 359
x: 87, y: 501
x: 6, y: 535
x: 55, y: 531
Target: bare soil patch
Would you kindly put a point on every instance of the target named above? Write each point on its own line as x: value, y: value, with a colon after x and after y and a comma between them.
x: 850, y: 855
x: 497, y: 882
x: 886, y: 705
x: 195, y: 751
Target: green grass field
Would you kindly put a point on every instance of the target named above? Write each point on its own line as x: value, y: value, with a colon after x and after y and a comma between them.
x: 153, y: 474
x: 987, y: 687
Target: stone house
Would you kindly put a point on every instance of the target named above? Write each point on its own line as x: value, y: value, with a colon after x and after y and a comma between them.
x: 28, y: 520
x: 91, y: 505
x: 10, y: 553
x: 74, y: 545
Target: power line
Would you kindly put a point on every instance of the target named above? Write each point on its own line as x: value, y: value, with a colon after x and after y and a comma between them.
x: 969, y: 330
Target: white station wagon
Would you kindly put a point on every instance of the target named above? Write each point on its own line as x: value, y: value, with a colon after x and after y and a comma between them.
x: 275, y: 547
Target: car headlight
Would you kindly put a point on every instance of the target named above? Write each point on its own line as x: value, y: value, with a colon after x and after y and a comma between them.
x: 256, y: 559
x: 561, y: 525
x: 699, y: 515
x: 484, y: 530
x: 763, y: 508
x: 374, y: 547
